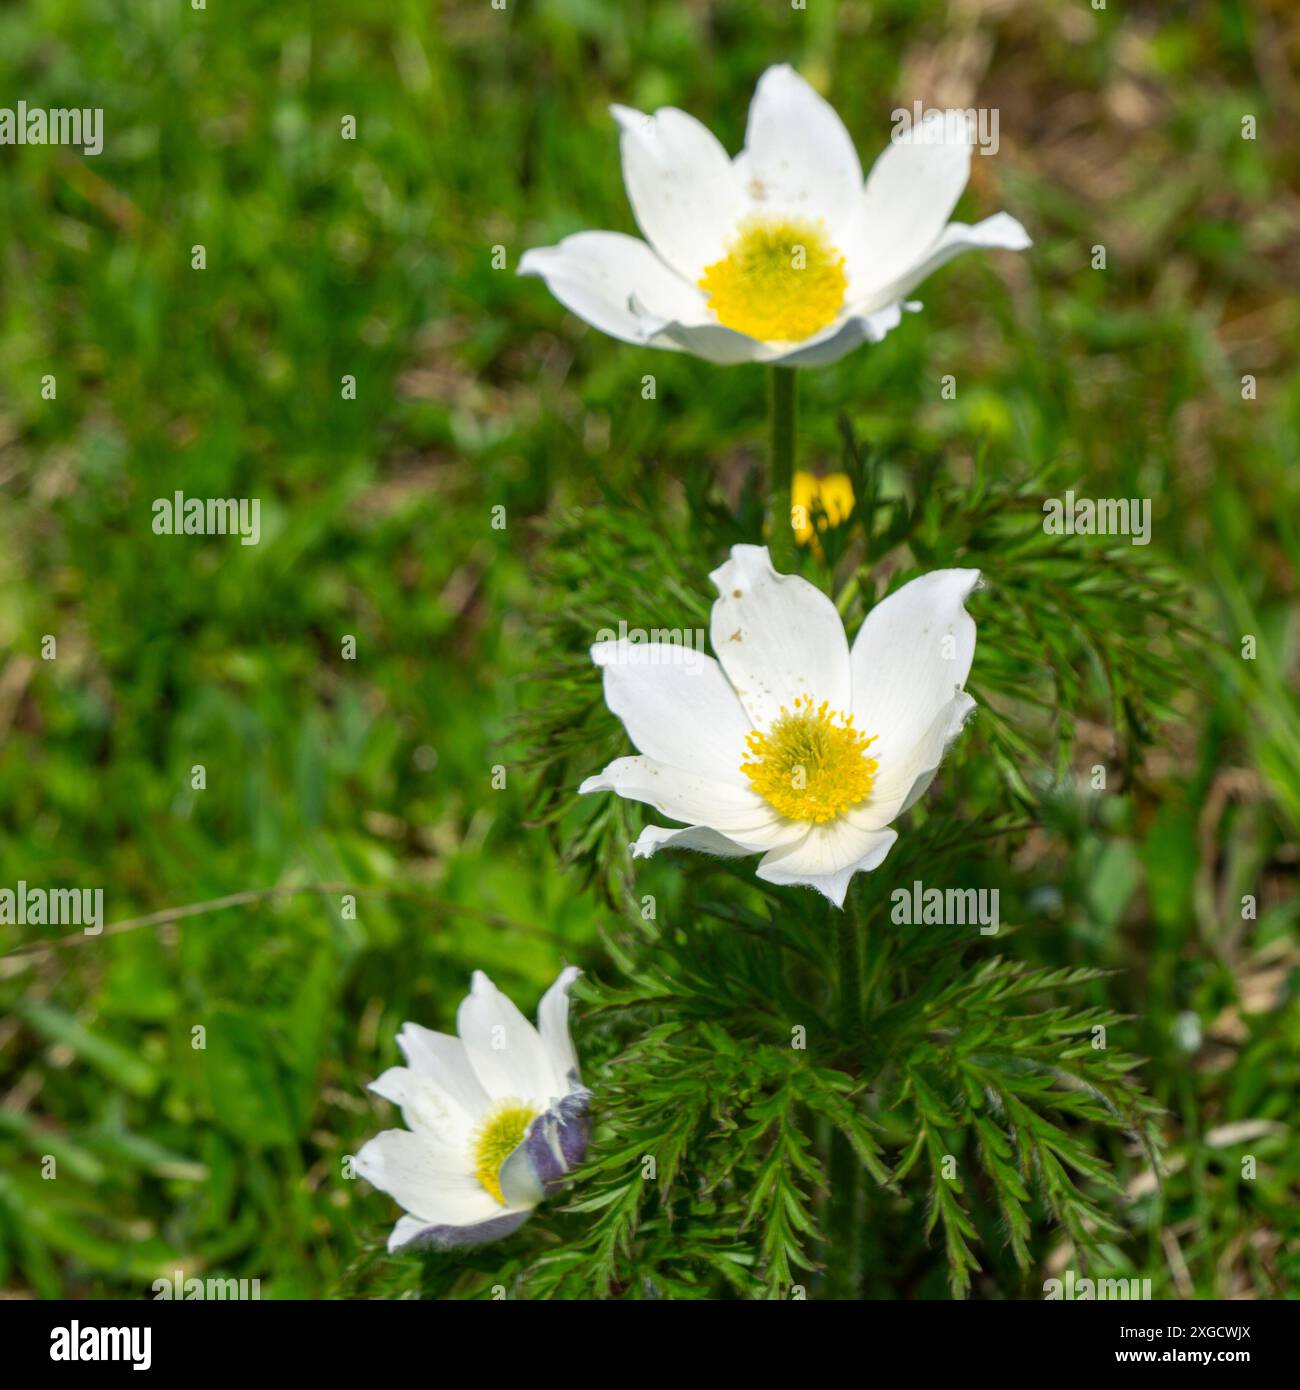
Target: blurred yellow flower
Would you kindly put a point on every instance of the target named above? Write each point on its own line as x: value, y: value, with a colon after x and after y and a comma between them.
x: 819, y: 504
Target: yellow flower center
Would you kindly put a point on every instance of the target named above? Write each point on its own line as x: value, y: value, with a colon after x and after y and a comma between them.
x: 808, y: 766
x: 781, y: 280
x: 500, y: 1134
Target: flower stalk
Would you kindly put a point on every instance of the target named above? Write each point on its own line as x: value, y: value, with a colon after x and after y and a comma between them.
x: 783, y: 410
x: 848, y: 950
x: 845, y: 1272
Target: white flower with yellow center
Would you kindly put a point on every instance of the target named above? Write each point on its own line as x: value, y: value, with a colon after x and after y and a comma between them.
x: 790, y: 744
x: 782, y: 254
x: 495, y: 1119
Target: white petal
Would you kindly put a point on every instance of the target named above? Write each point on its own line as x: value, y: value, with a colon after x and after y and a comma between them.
x: 553, y: 1026
x: 676, y: 705
x: 428, y: 1110
x: 1001, y: 231
x: 798, y: 157
x: 828, y: 857
x: 737, y: 811
x: 504, y: 1048
x: 681, y: 185
x: 443, y: 1059
x: 520, y: 1185
x: 457, y: 1235
x: 402, y: 1165
x: 842, y: 337
x: 777, y: 636
x: 911, y: 656
x: 904, y: 782
x: 615, y: 283
x: 406, y: 1230
x: 910, y: 194
x: 724, y: 347
x: 696, y: 837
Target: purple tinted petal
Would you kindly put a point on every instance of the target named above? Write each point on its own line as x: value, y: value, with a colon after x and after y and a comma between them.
x: 557, y: 1141
x: 574, y: 1129
x: 459, y: 1237
x: 544, y: 1153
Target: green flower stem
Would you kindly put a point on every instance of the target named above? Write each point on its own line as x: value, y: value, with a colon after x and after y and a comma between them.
x: 783, y: 410
x: 856, y: 584
x: 844, y: 1269
x: 842, y: 1252
x: 848, y: 950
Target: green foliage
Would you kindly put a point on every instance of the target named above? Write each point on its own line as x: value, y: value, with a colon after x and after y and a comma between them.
x: 962, y: 1064
x: 775, y: 1166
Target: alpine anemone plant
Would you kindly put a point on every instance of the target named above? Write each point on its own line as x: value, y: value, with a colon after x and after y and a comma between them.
x: 782, y: 255
x: 791, y: 743
x: 800, y: 1084
x: 495, y: 1120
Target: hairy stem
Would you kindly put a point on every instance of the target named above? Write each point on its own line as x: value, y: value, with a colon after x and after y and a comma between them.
x: 844, y: 1254
x: 843, y: 1246
x: 848, y: 952
x: 783, y: 410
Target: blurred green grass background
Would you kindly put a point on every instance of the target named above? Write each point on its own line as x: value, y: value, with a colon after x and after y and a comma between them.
x: 326, y: 257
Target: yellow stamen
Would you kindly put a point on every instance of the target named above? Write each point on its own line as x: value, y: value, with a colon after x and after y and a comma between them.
x: 808, y: 766
x: 501, y: 1132
x: 781, y: 280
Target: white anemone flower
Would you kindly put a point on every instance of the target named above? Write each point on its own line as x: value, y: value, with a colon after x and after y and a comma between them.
x: 790, y: 744
x: 495, y: 1119
x: 782, y: 255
